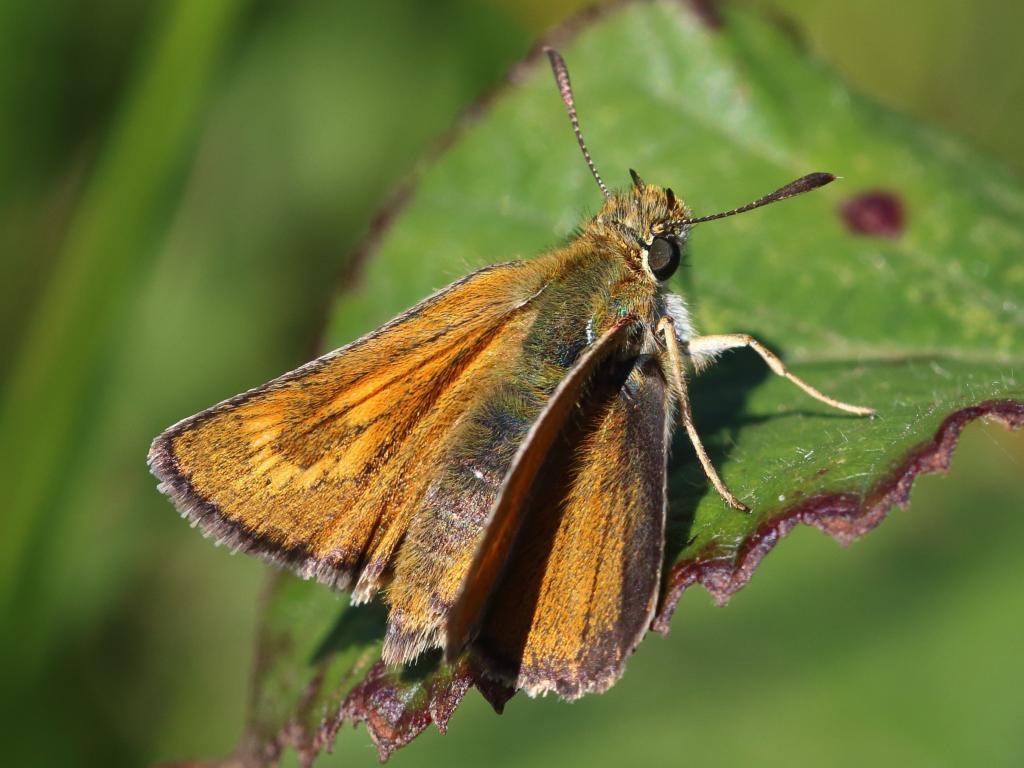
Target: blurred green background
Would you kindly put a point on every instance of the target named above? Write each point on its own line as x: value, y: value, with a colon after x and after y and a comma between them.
x: 181, y: 184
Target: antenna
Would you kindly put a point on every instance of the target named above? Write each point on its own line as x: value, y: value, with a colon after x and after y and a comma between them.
x: 565, y: 89
x: 794, y: 188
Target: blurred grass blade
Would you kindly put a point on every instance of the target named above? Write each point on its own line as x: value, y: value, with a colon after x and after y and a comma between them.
x: 109, y: 242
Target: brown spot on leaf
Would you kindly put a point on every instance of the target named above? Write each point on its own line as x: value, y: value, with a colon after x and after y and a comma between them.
x: 843, y: 516
x: 877, y: 212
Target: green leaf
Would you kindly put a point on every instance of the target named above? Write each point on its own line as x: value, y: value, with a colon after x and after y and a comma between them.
x: 900, y: 287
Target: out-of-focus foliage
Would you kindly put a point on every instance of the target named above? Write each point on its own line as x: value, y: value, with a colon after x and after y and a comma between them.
x: 179, y: 186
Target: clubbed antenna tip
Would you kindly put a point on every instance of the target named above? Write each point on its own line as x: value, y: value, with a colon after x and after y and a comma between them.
x: 794, y: 188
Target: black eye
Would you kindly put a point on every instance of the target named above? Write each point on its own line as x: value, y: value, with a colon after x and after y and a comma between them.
x: 663, y: 257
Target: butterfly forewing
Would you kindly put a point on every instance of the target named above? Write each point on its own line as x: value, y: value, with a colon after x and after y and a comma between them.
x: 321, y: 468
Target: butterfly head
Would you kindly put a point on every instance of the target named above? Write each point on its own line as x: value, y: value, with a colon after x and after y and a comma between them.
x: 654, y: 220
x: 647, y: 225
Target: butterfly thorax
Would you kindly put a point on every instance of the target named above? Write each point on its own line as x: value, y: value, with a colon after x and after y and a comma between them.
x: 642, y: 212
x: 618, y: 265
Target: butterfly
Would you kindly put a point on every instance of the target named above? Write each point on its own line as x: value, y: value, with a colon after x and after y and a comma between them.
x: 491, y: 463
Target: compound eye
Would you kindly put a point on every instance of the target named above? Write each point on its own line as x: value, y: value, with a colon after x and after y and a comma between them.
x: 663, y: 257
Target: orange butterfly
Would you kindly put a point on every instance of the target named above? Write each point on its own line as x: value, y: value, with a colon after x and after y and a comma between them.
x: 492, y: 462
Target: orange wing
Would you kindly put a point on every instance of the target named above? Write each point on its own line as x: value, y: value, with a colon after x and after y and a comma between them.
x: 511, y: 425
x: 321, y: 468
x: 581, y: 585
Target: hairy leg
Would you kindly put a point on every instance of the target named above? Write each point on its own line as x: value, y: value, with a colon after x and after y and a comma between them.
x: 707, y: 347
x: 667, y: 329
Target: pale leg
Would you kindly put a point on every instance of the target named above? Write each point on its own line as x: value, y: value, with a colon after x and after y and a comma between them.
x: 709, y: 346
x: 667, y: 329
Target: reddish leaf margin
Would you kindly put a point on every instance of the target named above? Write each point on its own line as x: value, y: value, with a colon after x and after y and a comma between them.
x: 843, y: 516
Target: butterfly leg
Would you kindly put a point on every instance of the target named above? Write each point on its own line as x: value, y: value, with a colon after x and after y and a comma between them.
x: 667, y: 329
x: 707, y: 347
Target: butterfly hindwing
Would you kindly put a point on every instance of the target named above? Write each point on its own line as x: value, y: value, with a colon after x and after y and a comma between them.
x: 582, y: 579
x: 320, y: 469
x: 508, y: 513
